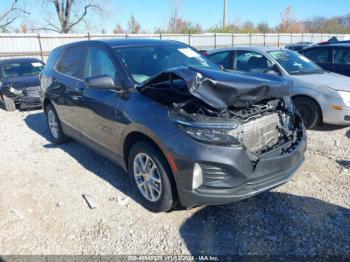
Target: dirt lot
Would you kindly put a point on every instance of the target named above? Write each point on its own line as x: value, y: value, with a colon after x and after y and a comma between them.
x: 42, y: 210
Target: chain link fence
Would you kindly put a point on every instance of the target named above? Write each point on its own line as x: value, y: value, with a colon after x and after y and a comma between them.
x: 40, y: 45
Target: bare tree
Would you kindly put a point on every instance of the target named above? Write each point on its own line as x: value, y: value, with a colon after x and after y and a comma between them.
x: 70, y: 13
x: 289, y: 24
x: 13, y: 13
x: 175, y: 17
x: 118, y: 29
x: 133, y: 26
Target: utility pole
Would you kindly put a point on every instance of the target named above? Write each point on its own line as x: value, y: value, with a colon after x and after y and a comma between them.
x: 224, y: 22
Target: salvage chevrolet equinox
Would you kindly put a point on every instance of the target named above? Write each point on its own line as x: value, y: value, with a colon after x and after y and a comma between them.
x: 187, y: 132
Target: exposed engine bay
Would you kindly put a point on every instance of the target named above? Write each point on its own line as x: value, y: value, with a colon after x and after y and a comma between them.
x: 256, y: 112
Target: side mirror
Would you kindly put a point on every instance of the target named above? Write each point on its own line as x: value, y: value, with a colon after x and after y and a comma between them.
x: 100, y: 82
x: 274, y: 71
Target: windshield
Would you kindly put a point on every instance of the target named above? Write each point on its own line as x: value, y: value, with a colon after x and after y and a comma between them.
x: 294, y: 63
x: 144, y: 62
x: 22, y: 69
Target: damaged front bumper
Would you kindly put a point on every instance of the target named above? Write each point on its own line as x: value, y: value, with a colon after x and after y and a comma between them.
x: 25, y: 98
x: 228, y: 173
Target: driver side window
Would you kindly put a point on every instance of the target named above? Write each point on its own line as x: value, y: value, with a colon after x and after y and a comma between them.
x: 249, y: 61
x: 98, y: 63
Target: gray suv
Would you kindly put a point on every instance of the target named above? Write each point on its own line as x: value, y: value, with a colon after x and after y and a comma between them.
x: 186, y: 132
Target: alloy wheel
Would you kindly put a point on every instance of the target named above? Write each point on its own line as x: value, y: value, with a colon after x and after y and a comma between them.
x: 53, y: 123
x: 147, y: 177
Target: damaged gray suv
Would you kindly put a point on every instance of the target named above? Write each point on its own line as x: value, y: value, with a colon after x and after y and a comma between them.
x: 187, y: 132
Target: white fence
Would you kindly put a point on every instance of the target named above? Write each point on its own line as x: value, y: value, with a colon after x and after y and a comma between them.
x: 40, y: 45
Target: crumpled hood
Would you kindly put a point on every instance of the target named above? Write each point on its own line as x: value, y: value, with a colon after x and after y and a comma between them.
x: 221, y: 89
x: 332, y: 80
x: 23, y: 82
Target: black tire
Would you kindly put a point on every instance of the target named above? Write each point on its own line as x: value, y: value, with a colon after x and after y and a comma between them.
x: 309, y: 111
x: 8, y: 103
x: 59, y: 137
x: 167, y: 197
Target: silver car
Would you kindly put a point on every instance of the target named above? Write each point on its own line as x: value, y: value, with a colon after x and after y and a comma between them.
x: 320, y: 96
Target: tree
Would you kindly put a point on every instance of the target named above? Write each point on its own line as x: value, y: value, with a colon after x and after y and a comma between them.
x: 289, y: 23
x: 10, y: 15
x: 70, y: 13
x: 175, y: 21
x: 23, y: 28
x: 118, y: 29
x: 133, y: 26
x: 263, y: 27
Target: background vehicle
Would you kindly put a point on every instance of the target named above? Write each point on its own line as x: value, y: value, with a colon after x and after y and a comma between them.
x: 331, y: 57
x: 151, y: 107
x: 319, y: 95
x: 299, y: 46
x: 19, y: 83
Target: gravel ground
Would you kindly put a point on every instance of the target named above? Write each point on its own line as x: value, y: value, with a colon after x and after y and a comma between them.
x: 42, y: 210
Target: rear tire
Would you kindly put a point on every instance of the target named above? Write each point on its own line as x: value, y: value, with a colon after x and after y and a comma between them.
x: 54, y: 125
x: 9, y: 105
x: 151, y: 177
x: 309, y: 111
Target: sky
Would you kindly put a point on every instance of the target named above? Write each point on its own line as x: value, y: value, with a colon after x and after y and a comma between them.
x: 208, y: 13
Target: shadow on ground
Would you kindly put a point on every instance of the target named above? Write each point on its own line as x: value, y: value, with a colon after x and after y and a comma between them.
x: 92, y: 161
x: 271, y: 223
x: 328, y: 127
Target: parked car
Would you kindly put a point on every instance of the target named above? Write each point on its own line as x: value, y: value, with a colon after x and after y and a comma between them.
x: 186, y: 131
x: 19, y: 83
x: 320, y: 96
x: 332, y: 57
x: 299, y: 46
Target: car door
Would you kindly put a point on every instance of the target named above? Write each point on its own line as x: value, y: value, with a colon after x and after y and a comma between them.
x: 341, y: 60
x: 66, y: 82
x: 224, y: 58
x: 321, y: 55
x: 99, y: 106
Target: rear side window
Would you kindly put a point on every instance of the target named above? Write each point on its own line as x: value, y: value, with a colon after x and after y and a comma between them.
x: 70, y: 62
x: 223, y: 59
x: 342, y: 56
x: 318, y: 55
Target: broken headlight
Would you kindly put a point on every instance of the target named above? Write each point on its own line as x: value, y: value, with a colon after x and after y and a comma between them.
x: 210, y: 136
x: 14, y: 90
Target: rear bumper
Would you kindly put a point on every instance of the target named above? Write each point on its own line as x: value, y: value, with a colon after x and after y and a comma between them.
x: 240, y: 179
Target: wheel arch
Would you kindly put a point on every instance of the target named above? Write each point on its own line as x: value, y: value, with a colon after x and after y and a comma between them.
x: 311, y: 98
x: 45, y: 103
x: 135, y: 137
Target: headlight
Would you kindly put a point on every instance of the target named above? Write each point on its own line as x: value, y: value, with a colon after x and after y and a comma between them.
x: 15, y: 91
x: 211, y: 136
x: 345, y: 96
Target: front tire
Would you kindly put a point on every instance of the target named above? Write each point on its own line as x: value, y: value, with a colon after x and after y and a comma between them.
x: 151, y: 177
x: 309, y: 111
x: 9, y: 105
x: 54, y: 125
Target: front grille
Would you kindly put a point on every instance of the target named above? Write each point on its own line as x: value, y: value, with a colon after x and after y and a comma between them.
x: 261, y: 133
